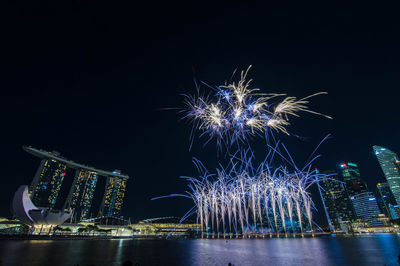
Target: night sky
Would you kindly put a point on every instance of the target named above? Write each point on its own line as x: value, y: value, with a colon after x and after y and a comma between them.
x: 92, y: 80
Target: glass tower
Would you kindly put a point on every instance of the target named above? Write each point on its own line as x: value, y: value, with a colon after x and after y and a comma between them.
x: 337, y: 205
x: 387, y: 201
x: 366, y: 208
x: 47, y: 182
x: 113, y: 198
x: 81, y: 194
x: 352, y: 179
x: 389, y: 162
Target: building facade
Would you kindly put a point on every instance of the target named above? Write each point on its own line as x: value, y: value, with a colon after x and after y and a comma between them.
x: 45, y: 187
x: 113, y: 198
x: 47, y: 182
x: 389, y: 162
x: 338, y: 207
x: 351, y: 176
x: 366, y: 208
x: 81, y: 194
x: 387, y: 201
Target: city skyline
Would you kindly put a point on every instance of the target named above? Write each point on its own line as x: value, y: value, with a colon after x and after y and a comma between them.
x: 348, y: 203
x: 347, y: 200
x: 97, y: 87
x: 114, y: 194
x: 199, y: 133
x: 349, y: 180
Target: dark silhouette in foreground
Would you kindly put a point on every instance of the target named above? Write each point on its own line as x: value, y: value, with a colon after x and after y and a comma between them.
x: 125, y: 263
x: 128, y: 263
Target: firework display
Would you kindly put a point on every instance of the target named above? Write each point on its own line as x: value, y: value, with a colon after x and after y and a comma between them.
x: 242, y: 200
x: 236, y: 111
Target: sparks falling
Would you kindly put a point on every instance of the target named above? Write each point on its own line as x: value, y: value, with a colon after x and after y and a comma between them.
x: 241, y: 201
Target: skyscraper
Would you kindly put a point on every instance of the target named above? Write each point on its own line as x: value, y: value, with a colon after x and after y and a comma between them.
x: 337, y: 205
x: 47, y: 182
x: 389, y: 162
x: 352, y: 179
x: 386, y: 200
x: 81, y: 194
x: 366, y: 208
x: 113, y: 197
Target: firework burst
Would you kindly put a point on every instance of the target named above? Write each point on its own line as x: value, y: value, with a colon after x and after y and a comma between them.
x: 240, y: 199
x: 235, y: 112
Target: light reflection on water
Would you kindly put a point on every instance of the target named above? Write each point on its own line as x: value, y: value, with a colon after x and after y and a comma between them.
x: 366, y: 250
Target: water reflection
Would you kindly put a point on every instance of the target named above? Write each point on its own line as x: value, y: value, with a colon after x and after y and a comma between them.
x: 262, y: 252
x: 367, y: 250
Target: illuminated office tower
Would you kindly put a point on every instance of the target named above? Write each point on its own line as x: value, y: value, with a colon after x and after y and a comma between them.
x: 113, y: 198
x: 387, y: 201
x: 338, y: 207
x: 366, y: 208
x: 389, y: 162
x: 81, y: 194
x: 394, y: 212
x: 47, y: 182
x: 352, y: 179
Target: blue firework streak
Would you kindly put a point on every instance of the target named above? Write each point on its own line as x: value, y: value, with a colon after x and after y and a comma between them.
x: 242, y: 199
x: 235, y: 112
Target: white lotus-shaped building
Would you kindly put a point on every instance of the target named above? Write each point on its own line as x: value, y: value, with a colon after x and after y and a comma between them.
x: 29, y: 214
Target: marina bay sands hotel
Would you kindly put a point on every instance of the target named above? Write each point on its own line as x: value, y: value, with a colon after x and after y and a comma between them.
x: 45, y: 187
